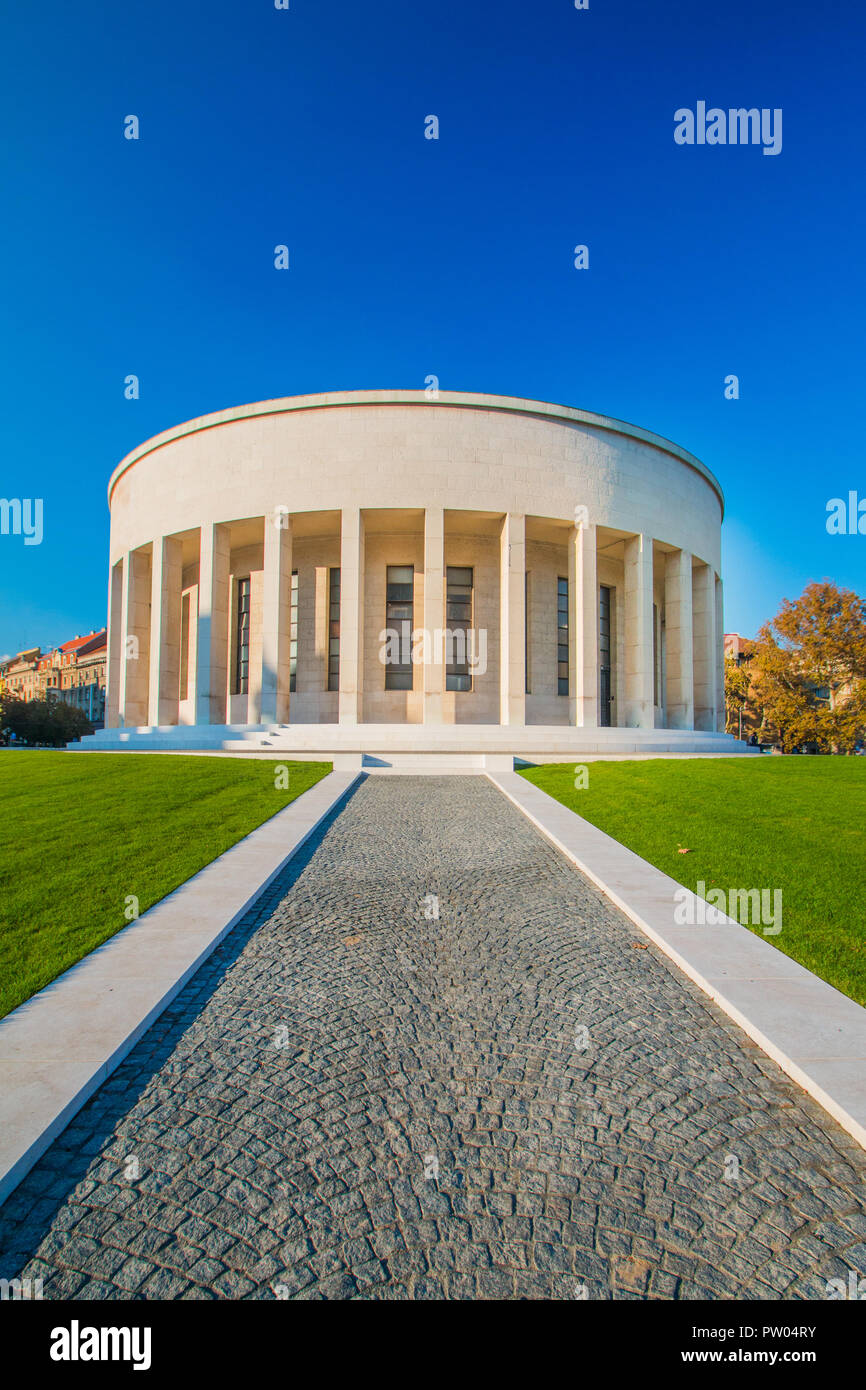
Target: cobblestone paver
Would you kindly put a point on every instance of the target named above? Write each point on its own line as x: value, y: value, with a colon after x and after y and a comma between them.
x: 515, y: 1099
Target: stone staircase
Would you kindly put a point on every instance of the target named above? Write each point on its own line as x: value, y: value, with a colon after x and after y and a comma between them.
x: 466, y: 747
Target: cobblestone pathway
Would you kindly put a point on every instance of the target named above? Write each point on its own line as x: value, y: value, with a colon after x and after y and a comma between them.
x: 355, y: 1099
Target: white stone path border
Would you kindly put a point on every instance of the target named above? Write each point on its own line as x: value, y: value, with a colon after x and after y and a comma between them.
x: 58, y: 1047
x: 816, y: 1034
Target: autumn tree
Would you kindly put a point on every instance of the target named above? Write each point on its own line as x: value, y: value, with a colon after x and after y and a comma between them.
x: 737, y: 689
x: 809, y: 669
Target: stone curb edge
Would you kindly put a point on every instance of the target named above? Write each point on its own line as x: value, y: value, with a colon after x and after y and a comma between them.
x: 851, y: 1117
x: 29, y: 1123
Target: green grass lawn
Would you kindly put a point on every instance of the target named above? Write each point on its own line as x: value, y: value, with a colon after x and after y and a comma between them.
x: 80, y: 832
x: 793, y: 823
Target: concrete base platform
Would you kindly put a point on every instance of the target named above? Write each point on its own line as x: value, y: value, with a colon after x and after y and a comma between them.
x: 421, y: 747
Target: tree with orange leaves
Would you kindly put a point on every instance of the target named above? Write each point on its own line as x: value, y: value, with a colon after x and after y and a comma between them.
x: 809, y: 669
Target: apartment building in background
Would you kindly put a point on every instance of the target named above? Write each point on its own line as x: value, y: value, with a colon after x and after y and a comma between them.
x: 73, y: 672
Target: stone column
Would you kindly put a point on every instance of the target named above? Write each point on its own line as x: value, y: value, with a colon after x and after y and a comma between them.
x: 165, y: 600
x: 351, y: 616
x: 639, y: 632
x: 212, y: 628
x: 512, y: 619
x: 704, y: 623
x: 434, y: 613
x: 321, y: 622
x: 679, y: 661
x: 276, y: 622
x: 720, y: 658
x: 114, y: 645
x: 135, y: 627
x: 583, y: 627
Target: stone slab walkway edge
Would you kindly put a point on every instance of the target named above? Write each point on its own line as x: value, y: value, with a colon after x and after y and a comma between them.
x: 816, y: 1034
x: 57, y: 1048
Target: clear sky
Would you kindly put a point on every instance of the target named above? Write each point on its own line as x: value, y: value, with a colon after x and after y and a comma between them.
x: 412, y: 257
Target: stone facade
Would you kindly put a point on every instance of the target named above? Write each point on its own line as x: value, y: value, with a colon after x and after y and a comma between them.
x: 589, y: 550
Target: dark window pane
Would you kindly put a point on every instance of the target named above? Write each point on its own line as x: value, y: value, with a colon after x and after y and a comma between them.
x: 334, y: 629
x: 397, y: 680
x: 242, y: 638
x: 562, y: 635
x: 458, y: 617
x: 399, y: 618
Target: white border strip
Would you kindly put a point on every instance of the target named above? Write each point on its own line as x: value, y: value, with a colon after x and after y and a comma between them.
x: 816, y: 1034
x: 58, y: 1047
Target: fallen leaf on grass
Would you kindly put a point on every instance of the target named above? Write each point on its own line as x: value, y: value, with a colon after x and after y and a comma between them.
x: 351, y: 940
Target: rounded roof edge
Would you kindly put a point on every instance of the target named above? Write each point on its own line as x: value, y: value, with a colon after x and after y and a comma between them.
x: 468, y: 400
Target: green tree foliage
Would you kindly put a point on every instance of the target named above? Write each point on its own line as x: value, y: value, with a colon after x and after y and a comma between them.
x: 808, y: 673
x: 737, y: 685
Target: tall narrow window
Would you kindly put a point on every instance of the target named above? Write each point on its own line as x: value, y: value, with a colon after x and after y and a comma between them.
x: 604, y: 656
x: 293, y: 635
x: 242, y: 671
x: 561, y: 636
x: 458, y: 622
x: 184, y: 647
x: 334, y: 629
x: 399, y: 617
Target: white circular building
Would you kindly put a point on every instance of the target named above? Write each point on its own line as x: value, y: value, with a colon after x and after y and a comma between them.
x: 379, y: 571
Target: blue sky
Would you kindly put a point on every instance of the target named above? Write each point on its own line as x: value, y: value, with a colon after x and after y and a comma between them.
x: 411, y: 257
